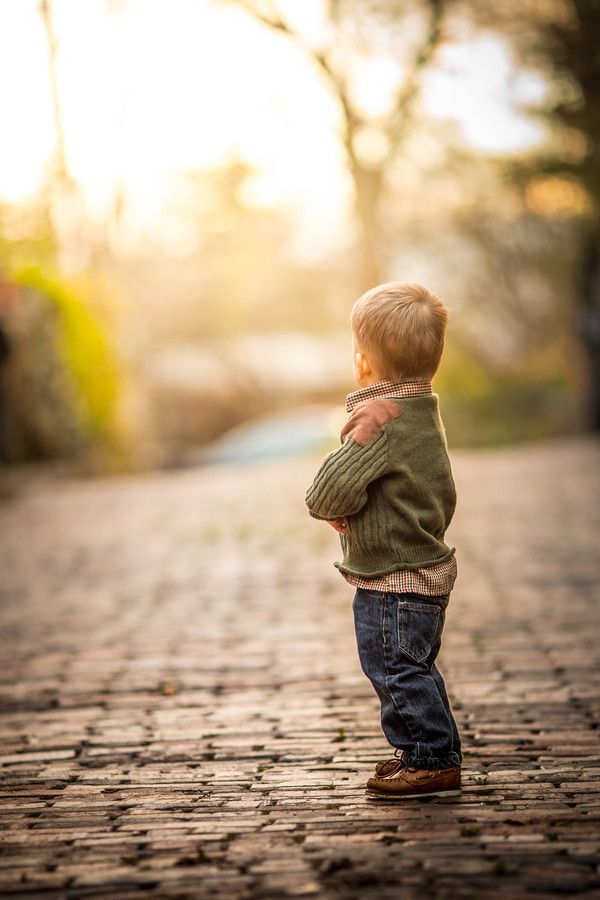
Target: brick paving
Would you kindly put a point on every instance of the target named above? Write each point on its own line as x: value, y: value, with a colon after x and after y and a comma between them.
x: 183, y: 712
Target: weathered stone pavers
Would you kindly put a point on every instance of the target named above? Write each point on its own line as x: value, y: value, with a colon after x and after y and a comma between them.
x: 183, y: 714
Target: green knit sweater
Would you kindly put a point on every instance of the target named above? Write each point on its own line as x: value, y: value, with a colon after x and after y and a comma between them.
x: 391, y: 480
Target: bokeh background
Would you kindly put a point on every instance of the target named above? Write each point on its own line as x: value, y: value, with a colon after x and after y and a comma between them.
x: 194, y: 192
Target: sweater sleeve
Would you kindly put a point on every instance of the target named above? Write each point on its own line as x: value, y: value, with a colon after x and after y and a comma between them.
x: 340, y: 486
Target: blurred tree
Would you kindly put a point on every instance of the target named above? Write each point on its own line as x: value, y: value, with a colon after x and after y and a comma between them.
x: 60, y: 192
x: 572, y: 47
x: 561, y: 38
x: 61, y: 382
x: 397, y: 185
x: 358, y: 33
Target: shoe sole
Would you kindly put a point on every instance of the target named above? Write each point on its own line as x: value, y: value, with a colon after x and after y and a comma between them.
x: 380, y: 795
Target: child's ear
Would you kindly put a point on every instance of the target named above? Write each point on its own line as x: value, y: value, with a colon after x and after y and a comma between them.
x: 362, y: 364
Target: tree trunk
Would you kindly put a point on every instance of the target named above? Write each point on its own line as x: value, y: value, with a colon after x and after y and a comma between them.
x: 368, y: 185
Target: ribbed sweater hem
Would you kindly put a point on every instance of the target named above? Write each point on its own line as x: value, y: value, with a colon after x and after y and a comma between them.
x: 396, y: 567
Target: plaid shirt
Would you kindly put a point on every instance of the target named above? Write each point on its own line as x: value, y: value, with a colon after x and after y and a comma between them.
x: 429, y: 580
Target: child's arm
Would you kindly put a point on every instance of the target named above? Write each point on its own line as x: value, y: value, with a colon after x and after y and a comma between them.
x: 340, y: 486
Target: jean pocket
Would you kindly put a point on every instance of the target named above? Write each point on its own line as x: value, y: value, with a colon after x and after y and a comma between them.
x: 419, y: 628
x: 377, y: 595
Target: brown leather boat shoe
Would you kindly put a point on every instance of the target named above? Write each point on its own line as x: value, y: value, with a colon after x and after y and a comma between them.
x: 405, y: 782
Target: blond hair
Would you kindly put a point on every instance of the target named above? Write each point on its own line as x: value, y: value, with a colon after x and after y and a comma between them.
x: 402, y: 328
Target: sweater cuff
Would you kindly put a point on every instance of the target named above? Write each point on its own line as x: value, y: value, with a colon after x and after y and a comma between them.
x: 317, y: 516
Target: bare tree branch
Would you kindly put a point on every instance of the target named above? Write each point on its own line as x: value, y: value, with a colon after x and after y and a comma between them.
x: 405, y: 101
x: 407, y: 97
x: 62, y: 171
x: 336, y: 82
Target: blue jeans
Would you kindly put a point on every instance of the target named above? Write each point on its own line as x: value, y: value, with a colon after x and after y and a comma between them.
x: 398, y: 638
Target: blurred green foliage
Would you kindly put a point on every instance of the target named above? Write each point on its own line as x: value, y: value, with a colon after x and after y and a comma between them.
x: 531, y: 400
x: 84, y: 350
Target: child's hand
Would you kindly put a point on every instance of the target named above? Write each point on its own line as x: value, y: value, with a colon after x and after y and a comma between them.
x: 340, y: 525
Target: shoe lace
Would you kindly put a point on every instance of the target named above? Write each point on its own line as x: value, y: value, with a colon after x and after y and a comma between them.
x: 391, y: 766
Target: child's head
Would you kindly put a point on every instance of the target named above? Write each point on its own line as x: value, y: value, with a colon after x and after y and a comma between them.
x: 398, y: 333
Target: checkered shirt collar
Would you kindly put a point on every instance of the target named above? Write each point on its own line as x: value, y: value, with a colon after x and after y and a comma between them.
x: 387, y: 389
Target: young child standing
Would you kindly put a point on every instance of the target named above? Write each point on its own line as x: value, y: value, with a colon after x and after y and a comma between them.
x: 389, y: 492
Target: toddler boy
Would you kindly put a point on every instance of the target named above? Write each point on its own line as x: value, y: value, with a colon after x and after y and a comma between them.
x: 389, y: 492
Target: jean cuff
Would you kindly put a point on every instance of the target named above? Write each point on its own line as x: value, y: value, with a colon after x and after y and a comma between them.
x: 432, y: 762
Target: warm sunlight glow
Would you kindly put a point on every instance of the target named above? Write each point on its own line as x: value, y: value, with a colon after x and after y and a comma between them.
x: 478, y: 86
x: 150, y: 90
x: 557, y: 197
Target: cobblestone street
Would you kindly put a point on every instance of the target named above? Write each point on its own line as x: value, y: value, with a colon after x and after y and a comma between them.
x: 184, y: 715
